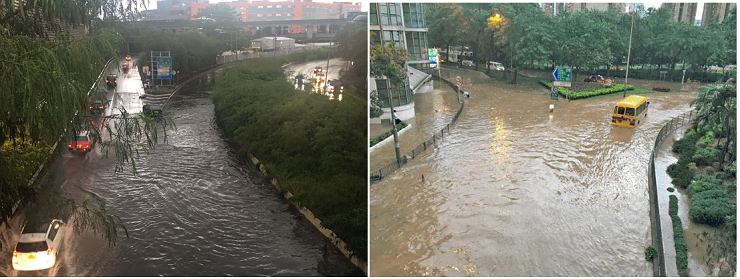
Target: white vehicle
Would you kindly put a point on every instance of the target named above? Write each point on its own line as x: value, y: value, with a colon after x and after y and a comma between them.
x: 496, y: 66
x: 468, y: 63
x: 38, y: 246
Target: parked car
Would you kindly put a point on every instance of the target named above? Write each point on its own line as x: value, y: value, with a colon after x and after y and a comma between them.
x: 38, y: 245
x: 468, y: 63
x: 97, y: 107
x: 593, y: 78
x: 111, y: 80
x: 496, y: 66
x: 152, y: 110
x: 83, y: 142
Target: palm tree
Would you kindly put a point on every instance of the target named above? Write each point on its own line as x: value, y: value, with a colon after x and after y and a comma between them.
x: 716, y: 104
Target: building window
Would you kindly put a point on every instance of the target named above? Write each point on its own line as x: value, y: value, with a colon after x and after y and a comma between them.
x: 390, y: 13
x: 260, y: 7
x: 413, y: 15
x: 269, y: 7
x: 278, y: 6
x: 278, y: 15
x: 259, y: 15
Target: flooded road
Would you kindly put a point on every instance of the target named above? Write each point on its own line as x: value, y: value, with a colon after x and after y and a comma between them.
x: 193, y: 210
x: 514, y: 190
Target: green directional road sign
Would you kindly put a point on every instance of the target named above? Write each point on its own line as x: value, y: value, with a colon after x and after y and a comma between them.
x: 562, y: 74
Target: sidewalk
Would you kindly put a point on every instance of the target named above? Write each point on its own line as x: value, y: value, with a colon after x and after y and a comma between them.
x: 431, y: 116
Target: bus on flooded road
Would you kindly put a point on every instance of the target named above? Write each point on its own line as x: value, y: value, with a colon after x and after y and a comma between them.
x: 630, y: 111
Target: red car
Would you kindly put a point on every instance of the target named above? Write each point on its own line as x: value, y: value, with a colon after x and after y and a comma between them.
x: 82, y: 143
x: 594, y: 78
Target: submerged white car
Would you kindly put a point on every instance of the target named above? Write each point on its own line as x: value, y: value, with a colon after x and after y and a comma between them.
x: 38, y: 246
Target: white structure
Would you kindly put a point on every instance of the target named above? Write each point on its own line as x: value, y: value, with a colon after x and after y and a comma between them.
x: 273, y: 43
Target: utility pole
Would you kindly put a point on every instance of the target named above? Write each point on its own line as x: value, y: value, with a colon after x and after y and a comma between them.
x: 629, y: 51
x: 390, y: 96
x: 328, y: 57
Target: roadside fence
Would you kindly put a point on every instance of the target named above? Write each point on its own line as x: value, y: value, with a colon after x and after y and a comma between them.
x: 657, y: 235
x: 383, y: 172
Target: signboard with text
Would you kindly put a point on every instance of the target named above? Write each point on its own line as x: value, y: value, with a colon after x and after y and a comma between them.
x: 562, y: 76
x: 433, y: 58
x: 164, y: 67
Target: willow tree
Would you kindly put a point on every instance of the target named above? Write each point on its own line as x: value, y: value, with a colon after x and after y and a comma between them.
x: 46, y: 76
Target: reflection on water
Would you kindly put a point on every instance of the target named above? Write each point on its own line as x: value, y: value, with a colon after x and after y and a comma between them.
x: 193, y: 209
x: 515, y: 190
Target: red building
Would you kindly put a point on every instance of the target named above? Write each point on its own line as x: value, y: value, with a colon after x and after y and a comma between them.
x: 267, y: 11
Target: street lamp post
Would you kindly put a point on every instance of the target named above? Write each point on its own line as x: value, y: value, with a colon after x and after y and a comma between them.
x: 328, y: 57
x: 390, y: 96
x: 629, y: 52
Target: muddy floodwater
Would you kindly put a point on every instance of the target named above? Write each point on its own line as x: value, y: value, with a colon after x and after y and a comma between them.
x: 515, y: 190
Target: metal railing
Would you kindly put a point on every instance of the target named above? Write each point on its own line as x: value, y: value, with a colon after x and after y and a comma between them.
x: 656, y: 232
x: 392, y: 167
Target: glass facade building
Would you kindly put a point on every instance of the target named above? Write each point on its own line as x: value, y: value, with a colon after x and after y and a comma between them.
x: 404, y: 25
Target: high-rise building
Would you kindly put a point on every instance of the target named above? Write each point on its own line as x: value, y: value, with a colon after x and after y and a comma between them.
x: 715, y: 12
x: 638, y: 8
x: 405, y: 26
x: 549, y: 9
x: 266, y: 11
x: 682, y: 12
x: 578, y: 7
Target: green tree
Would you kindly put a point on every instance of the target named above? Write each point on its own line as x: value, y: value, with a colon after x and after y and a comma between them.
x: 716, y: 105
x: 443, y: 21
x: 220, y: 13
x: 45, y: 85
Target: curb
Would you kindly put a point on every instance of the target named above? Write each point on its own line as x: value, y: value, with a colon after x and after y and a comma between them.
x: 313, y: 219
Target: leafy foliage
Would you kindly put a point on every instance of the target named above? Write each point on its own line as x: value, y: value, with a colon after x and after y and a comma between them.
x: 589, y: 41
x: 574, y: 95
x: 678, y: 238
x: 378, y: 139
x: 314, y: 147
x: 45, y: 88
x: 219, y: 13
x: 650, y: 253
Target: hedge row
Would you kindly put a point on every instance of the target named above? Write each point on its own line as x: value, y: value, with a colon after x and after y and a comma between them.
x: 376, y: 140
x: 682, y: 259
x: 654, y: 74
x: 315, y: 148
x: 711, y: 200
x: 574, y: 95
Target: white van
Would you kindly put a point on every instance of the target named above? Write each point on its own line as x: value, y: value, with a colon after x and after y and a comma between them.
x: 496, y: 66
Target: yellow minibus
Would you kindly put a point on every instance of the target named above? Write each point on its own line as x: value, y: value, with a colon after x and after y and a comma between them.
x: 630, y: 111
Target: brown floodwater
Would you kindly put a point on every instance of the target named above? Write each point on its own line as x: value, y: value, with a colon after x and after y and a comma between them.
x: 515, y: 190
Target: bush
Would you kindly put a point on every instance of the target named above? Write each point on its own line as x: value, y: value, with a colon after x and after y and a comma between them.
x: 679, y: 242
x: 682, y: 259
x: 706, y: 156
x: 650, y: 253
x: 704, y: 183
x: 672, y: 205
x: 686, y: 145
x: 705, y: 140
x: 711, y: 207
x: 671, y: 189
x: 680, y: 174
x: 378, y: 139
x: 574, y: 95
